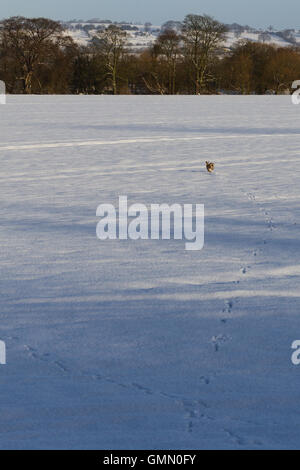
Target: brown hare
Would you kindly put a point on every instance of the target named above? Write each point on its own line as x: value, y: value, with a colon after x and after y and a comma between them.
x: 210, y: 167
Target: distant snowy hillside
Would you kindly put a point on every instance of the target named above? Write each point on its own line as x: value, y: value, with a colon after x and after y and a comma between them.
x: 138, y: 35
x: 142, y: 36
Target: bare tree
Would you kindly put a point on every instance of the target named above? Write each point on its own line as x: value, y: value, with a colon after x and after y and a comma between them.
x: 238, y: 34
x: 264, y: 36
x: 147, y: 27
x: 30, y: 43
x: 168, y: 46
x: 111, y: 44
x: 281, y: 69
x: 288, y: 35
x: 202, y: 36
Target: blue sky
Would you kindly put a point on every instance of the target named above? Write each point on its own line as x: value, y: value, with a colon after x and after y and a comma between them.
x: 258, y: 13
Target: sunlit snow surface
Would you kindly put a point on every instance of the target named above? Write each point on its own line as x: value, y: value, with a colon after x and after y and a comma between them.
x: 141, y: 344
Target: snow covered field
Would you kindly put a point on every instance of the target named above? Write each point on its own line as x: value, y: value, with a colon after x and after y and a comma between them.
x: 141, y: 344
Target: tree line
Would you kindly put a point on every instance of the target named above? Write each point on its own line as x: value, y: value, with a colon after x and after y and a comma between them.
x: 37, y: 56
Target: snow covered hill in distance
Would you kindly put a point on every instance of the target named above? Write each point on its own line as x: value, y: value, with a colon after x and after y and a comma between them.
x: 142, y: 36
x: 141, y: 344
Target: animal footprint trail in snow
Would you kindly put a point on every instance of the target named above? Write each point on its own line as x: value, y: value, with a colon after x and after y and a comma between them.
x: 217, y: 341
x: 228, y: 306
x: 268, y: 218
x: 194, y: 413
x: 227, y: 310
